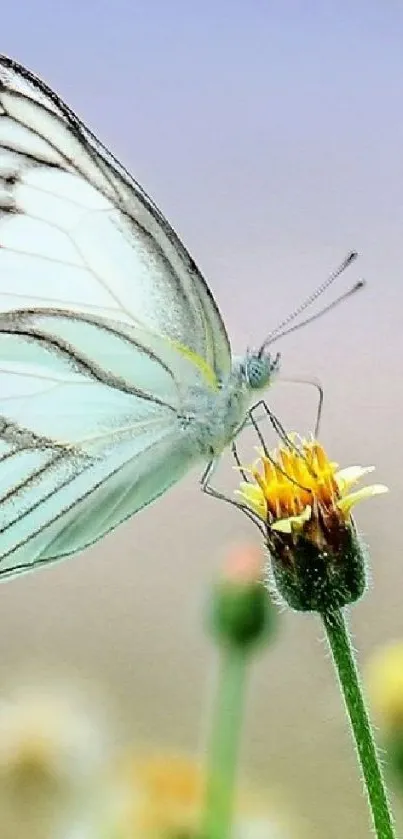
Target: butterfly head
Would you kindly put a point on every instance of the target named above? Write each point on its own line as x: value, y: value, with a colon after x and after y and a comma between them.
x: 259, y: 368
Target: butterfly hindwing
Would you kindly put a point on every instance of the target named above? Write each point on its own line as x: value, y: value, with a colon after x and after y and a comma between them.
x: 108, y: 459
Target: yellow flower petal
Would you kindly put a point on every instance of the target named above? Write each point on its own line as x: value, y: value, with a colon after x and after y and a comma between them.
x: 253, y: 496
x: 345, y: 478
x: 251, y: 492
x: 250, y: 469
x: 292, y: 523
x: 345, y: 504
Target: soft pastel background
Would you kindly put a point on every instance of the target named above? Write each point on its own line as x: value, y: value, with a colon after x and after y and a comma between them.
x: 271, y: 134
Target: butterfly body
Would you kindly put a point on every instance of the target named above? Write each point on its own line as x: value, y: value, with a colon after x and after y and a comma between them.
x: 212, y: 419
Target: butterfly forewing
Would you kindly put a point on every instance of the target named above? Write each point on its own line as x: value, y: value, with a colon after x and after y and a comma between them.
x: 106, y: 325
x: 88, y: 213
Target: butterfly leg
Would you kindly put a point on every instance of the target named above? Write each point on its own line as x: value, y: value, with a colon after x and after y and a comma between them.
x: 212, y: 466
x: 311, y: 383
x: 319, y: 409
x: 285, y: 438
x: 208, y: 489
x: 205, y: 484
x: 263, y: 411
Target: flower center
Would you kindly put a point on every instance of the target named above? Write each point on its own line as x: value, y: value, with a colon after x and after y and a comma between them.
x: 295, y: 478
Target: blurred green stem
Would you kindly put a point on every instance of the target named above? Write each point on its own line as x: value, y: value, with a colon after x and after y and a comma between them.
x: 346, y: 668
x: 224, y: 745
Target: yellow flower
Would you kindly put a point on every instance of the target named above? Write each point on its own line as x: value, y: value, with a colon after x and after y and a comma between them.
x: 305, y: 502
x: 162, y: 797
x: 299, y: 483
x: 384, y: 678
x: 167, y: 795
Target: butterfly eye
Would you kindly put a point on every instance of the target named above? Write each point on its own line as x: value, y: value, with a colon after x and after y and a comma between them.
x: 257, y: 372
x: 260, y: 369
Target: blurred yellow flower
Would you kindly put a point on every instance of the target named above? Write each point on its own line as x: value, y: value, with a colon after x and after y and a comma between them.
x: 384, y: 679
x: 162, y: 796
x: 51, y: 755
x: 47, y: 731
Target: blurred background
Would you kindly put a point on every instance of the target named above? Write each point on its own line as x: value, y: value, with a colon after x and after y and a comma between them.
x: 271, y: 136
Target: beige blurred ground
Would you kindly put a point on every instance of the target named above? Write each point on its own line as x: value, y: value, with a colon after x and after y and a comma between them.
x: 269, y: 195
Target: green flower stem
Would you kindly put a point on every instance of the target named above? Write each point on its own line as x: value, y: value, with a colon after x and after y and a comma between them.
x: 225, y: 739
x: 346, y: 668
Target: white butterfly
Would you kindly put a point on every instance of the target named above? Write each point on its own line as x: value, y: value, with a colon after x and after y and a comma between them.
x: 116, y: 374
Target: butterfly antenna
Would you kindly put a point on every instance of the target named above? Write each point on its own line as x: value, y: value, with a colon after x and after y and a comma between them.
x: 281, y: 329
x: 356, y: 287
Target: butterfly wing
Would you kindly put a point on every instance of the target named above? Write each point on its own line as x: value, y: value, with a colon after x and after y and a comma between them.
x: 65, y: 502
x: 105, y: 323
x: 77, y: 232
x: 74, y: 474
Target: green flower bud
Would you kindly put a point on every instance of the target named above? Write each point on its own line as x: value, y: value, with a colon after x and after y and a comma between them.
x: 241, y: 611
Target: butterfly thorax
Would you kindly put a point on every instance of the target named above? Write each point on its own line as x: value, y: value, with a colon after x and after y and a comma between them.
x: 213, y: 418
x: 216, y: 416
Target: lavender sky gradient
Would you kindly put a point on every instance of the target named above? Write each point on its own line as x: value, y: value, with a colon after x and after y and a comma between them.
x: 271, y: 135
